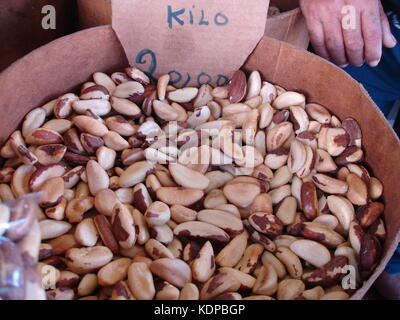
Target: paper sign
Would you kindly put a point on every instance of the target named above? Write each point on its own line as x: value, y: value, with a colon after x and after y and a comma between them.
x: 195, y: 41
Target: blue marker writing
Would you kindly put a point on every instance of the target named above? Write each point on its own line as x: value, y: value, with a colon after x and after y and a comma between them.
x: 174, y: 15
x: 221, y: 19
x: 140, y: 59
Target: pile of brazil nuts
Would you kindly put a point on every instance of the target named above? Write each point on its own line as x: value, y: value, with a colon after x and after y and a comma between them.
x: 244, y: 191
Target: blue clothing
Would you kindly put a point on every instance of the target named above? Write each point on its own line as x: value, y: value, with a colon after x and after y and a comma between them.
x: 383, y: 85
x: 392, y: 5
x: 393, y: 266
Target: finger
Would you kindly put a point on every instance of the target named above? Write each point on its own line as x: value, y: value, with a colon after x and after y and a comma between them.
x: 372, y: 35
x: 334, y: 42
x: 354, y: 43
x: 389, y: 41
x: 317, y: 39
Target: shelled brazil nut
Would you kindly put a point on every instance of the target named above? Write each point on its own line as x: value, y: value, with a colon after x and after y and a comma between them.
x: 246, y: 191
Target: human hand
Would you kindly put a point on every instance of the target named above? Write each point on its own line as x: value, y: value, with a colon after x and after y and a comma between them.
x: 354, y: 44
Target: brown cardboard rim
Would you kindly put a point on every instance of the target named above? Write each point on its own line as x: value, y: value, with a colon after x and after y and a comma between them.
x: 285, y: 14
x: 106, y: 33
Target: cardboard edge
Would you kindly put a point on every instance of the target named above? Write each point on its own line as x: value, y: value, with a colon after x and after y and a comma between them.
x: 293, y: 22
x: 285, y: 14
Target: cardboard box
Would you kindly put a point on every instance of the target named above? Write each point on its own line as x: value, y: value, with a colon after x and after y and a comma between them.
x: 288, y: 26
x: 35, y: 79
x: 93, y: 13
x: 21, y: 26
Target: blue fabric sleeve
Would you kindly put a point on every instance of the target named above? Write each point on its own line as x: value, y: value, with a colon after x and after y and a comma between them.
x: 393, y: 266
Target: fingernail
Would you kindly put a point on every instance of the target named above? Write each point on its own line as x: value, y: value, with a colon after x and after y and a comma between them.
x: 374, y: 63
x: 394, y: 40
x: 344, y: 65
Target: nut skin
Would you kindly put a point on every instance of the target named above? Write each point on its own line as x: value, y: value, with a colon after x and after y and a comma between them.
x: 369, y: 213
x: 343, y: 209
x: 230, y: 255
x: 320, y: 233
x: 277, y: 136
x: 203, y: 266
x: 123, y: 226
x: 267, y: 224
x: 91, y: 143
x: 157, y: 214
x: 113, y: 272
x: 324, y: 162
x: 259, y: 237
x: 221, y: 219
x: 179, y: 196
x: 309, y: 200
x: 241, y: 194
x: 121, y: 292
x: 19, y: 183
x: 44, y: 173
x: 378, y: 230
x: 370, y: 252
x: 105, y: 231
x: 351, y: 154
x: 358, y: 190
x: 50, y: 153
x: 72, y: 142
x: 311, y: 251
x: 175, y: 271
x: 237, y: 87
x: 356, y: 234
x: 85, y: 260
x: 291, y: 262
x: 353, y: 130
x: 218, y: 285
x: 53, y: 190
x: 267, y: 281
x: 328, y: 275
x: 201, y: 230
x: 140, y: 281
x: 248, y: 262
x: 290, y: 289
x: 330, y: 185
x: 43, y: 136
x: 6, y: 174
x: 157, y: 250
x: 337, y: 140
x: 77, y: 207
